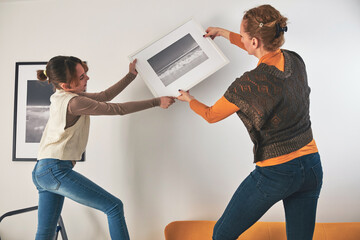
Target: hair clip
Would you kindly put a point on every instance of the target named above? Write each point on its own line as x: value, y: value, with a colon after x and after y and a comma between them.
x: 261, y: 25
x: 45, y: 73
x: 280, y: 29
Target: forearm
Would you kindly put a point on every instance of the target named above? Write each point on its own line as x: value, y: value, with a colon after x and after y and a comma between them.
x: 224, y: 33
x: 200, y: 109
x: 85, y: 106
x: 220, y: 110
x: 112, y: 91
x: 131, y: 107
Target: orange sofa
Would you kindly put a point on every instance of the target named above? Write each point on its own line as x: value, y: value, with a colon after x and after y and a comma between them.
x: 202, y: 230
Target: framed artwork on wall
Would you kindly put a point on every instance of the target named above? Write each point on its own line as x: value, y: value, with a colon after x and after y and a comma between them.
x: 31, y: 110
x: 179, y: 60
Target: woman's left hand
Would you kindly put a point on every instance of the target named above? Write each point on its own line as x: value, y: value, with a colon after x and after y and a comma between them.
x: 185, y: 96
x: 132, y: 67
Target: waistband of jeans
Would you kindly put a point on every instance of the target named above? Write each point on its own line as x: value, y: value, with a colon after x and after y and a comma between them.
x: 47, y: 161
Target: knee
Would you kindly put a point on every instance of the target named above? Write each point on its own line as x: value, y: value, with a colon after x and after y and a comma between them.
x: 220, y: 234
x: 45, y: 233
x: 117, y: 208
x: 216, y: 234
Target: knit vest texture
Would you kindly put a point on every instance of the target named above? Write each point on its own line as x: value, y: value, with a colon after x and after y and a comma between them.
x: 58, y: 142
x: 274, y: 107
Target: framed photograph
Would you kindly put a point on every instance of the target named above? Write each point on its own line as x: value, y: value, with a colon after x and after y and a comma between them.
x: 31, y: 110
x: 179, y: 60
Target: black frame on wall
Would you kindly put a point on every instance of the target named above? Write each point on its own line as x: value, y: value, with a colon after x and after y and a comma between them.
x: 31, y: 110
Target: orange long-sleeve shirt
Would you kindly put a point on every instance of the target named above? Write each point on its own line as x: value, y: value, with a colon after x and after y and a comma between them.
x: 223, y: 108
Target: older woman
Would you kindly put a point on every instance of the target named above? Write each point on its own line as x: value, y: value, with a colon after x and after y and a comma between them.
x: 272, y: 100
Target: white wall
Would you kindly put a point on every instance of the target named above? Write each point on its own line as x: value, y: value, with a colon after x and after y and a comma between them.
x: 170, y: 165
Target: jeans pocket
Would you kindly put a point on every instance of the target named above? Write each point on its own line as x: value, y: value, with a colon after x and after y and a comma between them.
x: 318, y: 172
x: 274, y: 184
x: 47, y: 180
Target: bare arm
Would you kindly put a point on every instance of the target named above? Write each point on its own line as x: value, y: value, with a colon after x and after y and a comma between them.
x: 234, y: 38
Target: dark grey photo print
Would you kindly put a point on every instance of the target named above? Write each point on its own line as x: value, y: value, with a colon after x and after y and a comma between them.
x: 37, y: 109
x: 177, y: 59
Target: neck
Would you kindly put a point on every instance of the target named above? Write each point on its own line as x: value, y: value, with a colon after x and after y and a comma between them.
x: 260, y: 52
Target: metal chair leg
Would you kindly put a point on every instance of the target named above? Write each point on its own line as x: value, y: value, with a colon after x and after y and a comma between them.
x: 60, y: 228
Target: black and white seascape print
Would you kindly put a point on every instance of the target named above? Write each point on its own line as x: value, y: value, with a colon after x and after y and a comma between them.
x: 37, y: 109
x: 177, y: 59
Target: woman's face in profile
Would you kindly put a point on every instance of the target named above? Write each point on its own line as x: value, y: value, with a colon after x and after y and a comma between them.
x: 83, y: 78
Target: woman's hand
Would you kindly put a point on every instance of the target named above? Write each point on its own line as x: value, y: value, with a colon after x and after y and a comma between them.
x: 132, y: 67
x: 214, y: 32
x: 185, y: 96
x: 165, y: 102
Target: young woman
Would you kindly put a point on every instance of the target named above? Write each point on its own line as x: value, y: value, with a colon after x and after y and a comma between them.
x: 272, y: 100
x: 64, y: 140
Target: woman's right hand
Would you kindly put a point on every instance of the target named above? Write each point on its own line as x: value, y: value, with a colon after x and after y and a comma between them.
x: 132, y: 67
x: 214, y: 32
x: 165, y: 102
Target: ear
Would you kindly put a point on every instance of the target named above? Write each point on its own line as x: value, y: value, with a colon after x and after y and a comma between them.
x: 255, y: 43
x: 64, y: 86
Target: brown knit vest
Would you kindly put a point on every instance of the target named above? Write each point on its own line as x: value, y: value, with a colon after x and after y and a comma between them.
x: 274, y: 107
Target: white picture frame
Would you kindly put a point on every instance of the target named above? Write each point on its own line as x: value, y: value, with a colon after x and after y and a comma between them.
x: 178, y: 60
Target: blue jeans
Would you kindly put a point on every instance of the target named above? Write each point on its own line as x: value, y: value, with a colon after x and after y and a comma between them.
x: 55, y: 180
x: 297, y: 183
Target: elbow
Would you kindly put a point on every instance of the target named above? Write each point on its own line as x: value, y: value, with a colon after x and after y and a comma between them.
x: 211, y: 120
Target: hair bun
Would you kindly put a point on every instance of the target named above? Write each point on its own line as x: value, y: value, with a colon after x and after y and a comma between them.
x: 41, y: 75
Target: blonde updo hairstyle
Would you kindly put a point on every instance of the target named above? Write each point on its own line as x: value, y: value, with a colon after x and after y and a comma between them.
x: 260, y: 22
x: 61, y: 69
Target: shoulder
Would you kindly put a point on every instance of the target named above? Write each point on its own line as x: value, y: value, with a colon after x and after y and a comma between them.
x: 59, y: 93
x: 249, y: 79
x: 79, y: 100
x: 293, y: 55
x: 62, y: 96
x: 240, y: 87
x: 245, y: 77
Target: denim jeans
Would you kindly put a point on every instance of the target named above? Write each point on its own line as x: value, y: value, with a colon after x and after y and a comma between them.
x: 55, y: 179
x: 297, y: 183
